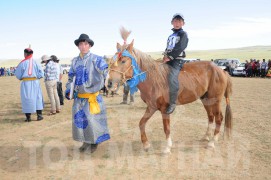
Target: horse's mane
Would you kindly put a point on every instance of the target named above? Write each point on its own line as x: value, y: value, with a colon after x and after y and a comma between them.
x: 156, y: 71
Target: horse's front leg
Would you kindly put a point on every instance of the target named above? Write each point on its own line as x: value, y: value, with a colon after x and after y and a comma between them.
x: 166, y: 123
x: 148, y: 113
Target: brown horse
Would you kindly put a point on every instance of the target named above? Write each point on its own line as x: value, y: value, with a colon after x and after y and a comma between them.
x: 202, y: 80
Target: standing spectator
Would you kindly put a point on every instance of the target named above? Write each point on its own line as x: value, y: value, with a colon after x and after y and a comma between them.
x: 50, y: 76
x: 86, y: 75
x: 126, y: 90
x: 8, y: 71
x: 269, y: 64
x: 246, y: 66
x: 232, y: 66
x: 258, y: 68
x: 249, y: 68
x: 59, y: 78
x: 29, y: 72
x: 264, y: 65
x: 253, y: 68
x: 2, y: 71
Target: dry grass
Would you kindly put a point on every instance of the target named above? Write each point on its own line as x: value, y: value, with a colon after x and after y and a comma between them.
x: 56, y: 156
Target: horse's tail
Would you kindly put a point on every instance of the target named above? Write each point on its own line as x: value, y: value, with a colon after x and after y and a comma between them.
x: 228, y: 113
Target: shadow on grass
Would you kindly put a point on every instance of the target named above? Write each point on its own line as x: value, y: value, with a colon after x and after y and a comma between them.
x: 12, y: 113
x: 21, y: 158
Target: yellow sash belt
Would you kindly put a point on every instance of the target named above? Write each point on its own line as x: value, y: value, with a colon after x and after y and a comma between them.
x: 29, y: 79
x: 93, y: 103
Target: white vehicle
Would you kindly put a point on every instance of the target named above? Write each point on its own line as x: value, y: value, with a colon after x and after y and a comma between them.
x: 65, y: 68
x: 240, y: 70
x: 190, y: 60
x: 223, y: 65
x: 236, y: 61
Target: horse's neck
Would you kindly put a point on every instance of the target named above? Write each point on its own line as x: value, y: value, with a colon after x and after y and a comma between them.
x: 149, y: 69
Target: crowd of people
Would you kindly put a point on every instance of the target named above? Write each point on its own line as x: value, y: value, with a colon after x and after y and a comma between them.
x: 7, y: 71
x: 252, y: 68
x: 257, y: 68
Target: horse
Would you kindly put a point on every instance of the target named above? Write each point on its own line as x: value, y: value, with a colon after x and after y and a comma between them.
x: 197, y: 80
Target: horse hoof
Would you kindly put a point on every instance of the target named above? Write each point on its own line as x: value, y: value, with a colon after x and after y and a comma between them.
x: 205, y: 138
x: 147, y: 147
x: 166, y: 151
x: 211, y: 145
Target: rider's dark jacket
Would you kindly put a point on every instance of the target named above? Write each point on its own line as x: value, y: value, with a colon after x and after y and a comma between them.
x: 176, y: 44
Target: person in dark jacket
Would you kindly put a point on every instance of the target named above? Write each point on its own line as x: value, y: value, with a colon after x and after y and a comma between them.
x: 173, y: 56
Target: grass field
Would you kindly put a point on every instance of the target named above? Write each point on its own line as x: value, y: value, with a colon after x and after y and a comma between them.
x: 245, y: 53
x: 46, y: 150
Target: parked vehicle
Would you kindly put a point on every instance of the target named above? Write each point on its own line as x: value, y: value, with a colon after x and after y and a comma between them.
x: 217, y: 61
x: 223, y: 65
x: 65, y: 68
x: 190, y: 60
x: 240, y: 70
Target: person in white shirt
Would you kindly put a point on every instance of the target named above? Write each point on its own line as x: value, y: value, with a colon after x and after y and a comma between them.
x: 263, y: 68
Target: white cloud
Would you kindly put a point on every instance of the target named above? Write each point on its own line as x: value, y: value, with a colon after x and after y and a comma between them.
x: 239, y: 33
x: 242, y: 28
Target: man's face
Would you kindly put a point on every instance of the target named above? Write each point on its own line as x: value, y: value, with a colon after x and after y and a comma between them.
x: 84, y: 47
x: 177, y: 24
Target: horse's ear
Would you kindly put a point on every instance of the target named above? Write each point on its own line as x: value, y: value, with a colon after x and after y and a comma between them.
x: 131, y: 46
x: 118, y: 47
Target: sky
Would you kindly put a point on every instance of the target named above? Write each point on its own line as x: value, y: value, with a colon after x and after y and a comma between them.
x: 51, y: 26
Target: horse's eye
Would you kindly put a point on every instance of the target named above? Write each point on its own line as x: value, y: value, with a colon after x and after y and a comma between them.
x: 123, y: 62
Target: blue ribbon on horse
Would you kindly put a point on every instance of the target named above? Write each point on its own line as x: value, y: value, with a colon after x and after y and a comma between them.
x: 138, y: 75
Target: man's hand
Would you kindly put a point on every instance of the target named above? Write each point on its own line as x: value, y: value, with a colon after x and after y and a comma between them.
x: 165, y: 59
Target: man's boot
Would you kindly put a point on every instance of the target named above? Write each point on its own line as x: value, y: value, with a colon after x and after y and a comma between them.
x: 125, y: 97
x: 84, y: 147
x: 170, y: 108
x: 28, y: 117
x: 93, y: 148
x: 132, y: 99
x: 39, y: 114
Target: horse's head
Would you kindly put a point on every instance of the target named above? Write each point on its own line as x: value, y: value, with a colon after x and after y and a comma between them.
x: 120, y: 66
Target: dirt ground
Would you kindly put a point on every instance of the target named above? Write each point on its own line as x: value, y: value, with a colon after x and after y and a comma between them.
x: 46, y: 150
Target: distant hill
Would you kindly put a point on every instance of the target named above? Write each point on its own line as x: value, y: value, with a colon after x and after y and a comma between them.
x: 244, y: 53
x: 15, y: 62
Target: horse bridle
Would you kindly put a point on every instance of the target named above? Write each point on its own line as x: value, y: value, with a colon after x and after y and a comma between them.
x: 124, y: 79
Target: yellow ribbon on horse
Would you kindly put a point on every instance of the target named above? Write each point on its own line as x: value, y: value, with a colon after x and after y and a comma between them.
x: 93, y: 103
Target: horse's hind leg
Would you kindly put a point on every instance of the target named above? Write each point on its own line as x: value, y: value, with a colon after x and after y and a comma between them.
x: 218, y: 120
x: 166, y: 123
x: 148, y: 113
x: 210, y: 114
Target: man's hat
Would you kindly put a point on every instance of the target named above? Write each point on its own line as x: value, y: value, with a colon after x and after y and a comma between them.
x: 177, y: 16
x: 83, y: 37
x: 45, y: 58
x: 28, y: 50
